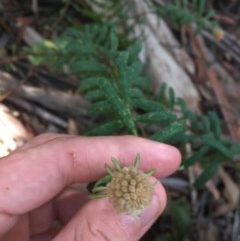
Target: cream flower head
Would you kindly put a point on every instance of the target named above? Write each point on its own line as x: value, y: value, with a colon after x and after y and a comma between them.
x: 128, y: 189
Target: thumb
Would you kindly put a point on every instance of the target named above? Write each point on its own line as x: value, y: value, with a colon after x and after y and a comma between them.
x: 98, y: 220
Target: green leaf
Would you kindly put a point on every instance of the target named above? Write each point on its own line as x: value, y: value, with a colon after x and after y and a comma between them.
x: 113, y: 41
x: 134, y: 52
x: 194, y: 4
x: 39, y: 53
x: 57, y: 64
x: 106, y: 128
x: 36, y: 60
x: 87, y: 13
x: 235, y: 149
x: 77, y: 49
x: 171, y: 97
x: 160, y: 95
x: 215, y: 124
x: 90, y: 66
x: 100, y: 182
x: 91, y: 83
x: 136, y: 93
x: 208, y: 173
x: 156, y: 118
x: 217, y: 145
x: 134, y: 70
x: 100, y: 108
x: 170, y: 132
x: 185, y: 3
x: 201, y: 6
x: 147, y: 105
x: 192, y: 117
x: 124, y: 77
x: 206, y: 123
x: 120, y: 108
x: 196, y: 156
x: 181, y: 217
x: 141, y: 83
x: 95, y: 95
x: 210, y: 14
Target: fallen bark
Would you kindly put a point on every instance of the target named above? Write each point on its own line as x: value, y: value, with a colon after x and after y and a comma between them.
x: 65, y: 105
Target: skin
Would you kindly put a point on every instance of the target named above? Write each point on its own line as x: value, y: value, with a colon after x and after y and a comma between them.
x: 35, y: 187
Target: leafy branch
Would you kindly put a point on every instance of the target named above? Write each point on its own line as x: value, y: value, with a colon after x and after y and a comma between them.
x: 110, y: 78
x: 209, y: 147
x: 184, y: 12
x: 121, y: 100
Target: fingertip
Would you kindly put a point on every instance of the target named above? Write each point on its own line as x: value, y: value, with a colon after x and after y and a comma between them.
x: 162, y: 157
x: 177, y: 156
x: 165, y: 159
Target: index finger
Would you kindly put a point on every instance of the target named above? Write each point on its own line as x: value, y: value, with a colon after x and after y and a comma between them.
x: 33, y: 176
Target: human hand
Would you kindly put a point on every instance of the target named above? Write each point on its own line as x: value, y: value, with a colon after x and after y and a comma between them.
x: 35, y: 188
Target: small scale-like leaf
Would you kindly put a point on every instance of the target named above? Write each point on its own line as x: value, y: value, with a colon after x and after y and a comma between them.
x: 98, y: 189
x: 150, y: 172
x: 102, y: 181
x: 108, y: 169
x: 137, y: 161
x: 116, y: 164
x: 96, y: 196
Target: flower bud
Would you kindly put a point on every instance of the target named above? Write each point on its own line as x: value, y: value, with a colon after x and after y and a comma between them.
x: 218, y: 34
